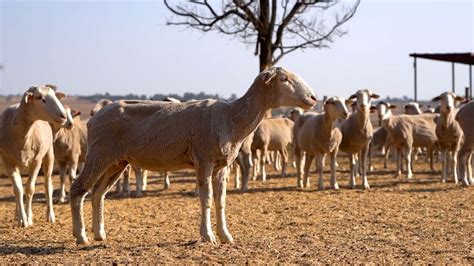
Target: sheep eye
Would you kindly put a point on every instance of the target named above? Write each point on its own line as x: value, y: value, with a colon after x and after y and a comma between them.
x: 43, y: 99
x: 284, y: 78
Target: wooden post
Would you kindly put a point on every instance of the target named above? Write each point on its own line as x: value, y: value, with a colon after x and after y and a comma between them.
x: 415, y: 80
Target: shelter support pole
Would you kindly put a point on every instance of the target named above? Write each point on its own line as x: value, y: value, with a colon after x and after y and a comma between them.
x: 470, y: 81
x: 415, y: 79
x: 452, y: 70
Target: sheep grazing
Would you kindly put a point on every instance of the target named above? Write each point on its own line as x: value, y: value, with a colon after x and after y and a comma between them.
x: 464, y: 118
x: 26, y: 141
x: 205, y: 135
x: 413, y: 108
x: 70, y: 146
x: 357, y: 133
x: 410, y: 131
x: 273, y: 134
x: 319, y: 136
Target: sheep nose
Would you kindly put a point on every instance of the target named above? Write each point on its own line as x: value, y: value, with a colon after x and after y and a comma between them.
x: 346, y: 114
x: 63, y: 116
x: 313, y: 97
x: 449, y: 108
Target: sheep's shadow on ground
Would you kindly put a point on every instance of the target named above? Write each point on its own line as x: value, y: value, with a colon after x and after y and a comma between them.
x: 6, y: 249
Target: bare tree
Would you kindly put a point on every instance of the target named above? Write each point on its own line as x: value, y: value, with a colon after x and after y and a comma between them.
x: 275, y: 27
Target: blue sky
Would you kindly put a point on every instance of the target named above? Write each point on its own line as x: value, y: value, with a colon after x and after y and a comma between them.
x: 125, y: 47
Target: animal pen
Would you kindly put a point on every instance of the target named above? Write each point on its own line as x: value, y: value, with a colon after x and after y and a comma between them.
x: 460, y: 58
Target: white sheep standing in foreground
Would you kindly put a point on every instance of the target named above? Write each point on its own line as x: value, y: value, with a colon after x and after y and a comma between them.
x: 357, y: 133
x: 449, y: 133
x: 70, y: 146
x: 297, y: 151
x: 464, y: 117
x: 410, y: 131
x: 319, y: 136
x: 26, y: 141
x: 204, y: 135
x: 273, y: 134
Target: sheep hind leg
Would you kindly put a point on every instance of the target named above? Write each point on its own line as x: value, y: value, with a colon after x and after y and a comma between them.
x: 92, y: 172
x: 362, y: 166
x: 334, y: 184
x: 48, y: 164
x: 219, y: 191
x: 98, y: 195
x: 320, y: 166
x: 307, y: 168
x: 166, y: 180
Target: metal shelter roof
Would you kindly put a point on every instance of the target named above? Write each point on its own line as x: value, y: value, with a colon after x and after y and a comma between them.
x: 461, y: 58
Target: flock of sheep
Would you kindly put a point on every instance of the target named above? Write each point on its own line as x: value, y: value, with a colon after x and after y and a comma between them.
x: 211, y: 136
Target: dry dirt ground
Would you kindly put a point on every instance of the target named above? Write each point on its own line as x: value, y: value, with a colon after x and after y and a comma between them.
x: 397, y: 220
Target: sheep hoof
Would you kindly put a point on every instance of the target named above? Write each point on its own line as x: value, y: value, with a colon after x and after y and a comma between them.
x: 23, y: 223
x: 227, y: 239
x: 100, y: 237
x: 299, y: 184
x: 244, y: 189
x: 366, y: 186
x: 335, y: 186
x: 82, y: 241
x: 49, y: 218
x: 209, y: 238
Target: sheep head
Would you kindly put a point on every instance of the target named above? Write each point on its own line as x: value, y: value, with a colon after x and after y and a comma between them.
x: 447, y: 101
x: 44, y: 103
x: 286, y: 88
x: 337, y: 107
x: 363, y: 99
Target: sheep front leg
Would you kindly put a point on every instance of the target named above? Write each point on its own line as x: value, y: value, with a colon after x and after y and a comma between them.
x: 238, y: 175
x: 166, y: 180
x: 307, y: 168
x: 284, y: 161
x: 455, y: 166
x: 126, y: 182
x: 398, y: 155
x: 299, y: 175
x: 464, y: 159
x: 139, y: 181
x: 30, y: 190
x: 444, y: 165
x: 363, y: 163
x: 219, y: 191
x: 408, y: 158
x: 353, y: 169
x: 20, y: 213
x: 469, y: 168
x: 334, y: 184
x: 48, y: 164
x: 320, y: 166
x: 204, y: 179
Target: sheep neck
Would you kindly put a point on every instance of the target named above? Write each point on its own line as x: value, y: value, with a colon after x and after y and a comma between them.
x: 22, y: 121
x: 329, y: 122
x: 447, y: 119
x: 387, y: 119
x: 247, y: 112
x: 363, y: 118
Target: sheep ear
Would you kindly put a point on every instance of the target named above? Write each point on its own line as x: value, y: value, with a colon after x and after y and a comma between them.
x: 392, y: 106
x: 75, y: 113
x: 460, y: 99
x: 373, y: 109
x: 353, y: 96
x: 420, y: 105
x: 60, y: 95
x: 435, y: 99
x: 268, y: 76
x: 348, y: 102
x: 374, y: 95
x: 28, y: 96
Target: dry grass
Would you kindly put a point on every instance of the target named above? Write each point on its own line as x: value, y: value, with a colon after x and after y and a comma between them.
x: 395, y: 221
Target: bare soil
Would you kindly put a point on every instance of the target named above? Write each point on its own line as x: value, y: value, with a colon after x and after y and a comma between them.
x: 396, y: 221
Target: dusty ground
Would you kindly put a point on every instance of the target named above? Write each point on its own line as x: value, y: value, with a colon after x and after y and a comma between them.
x: 395, y: 221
